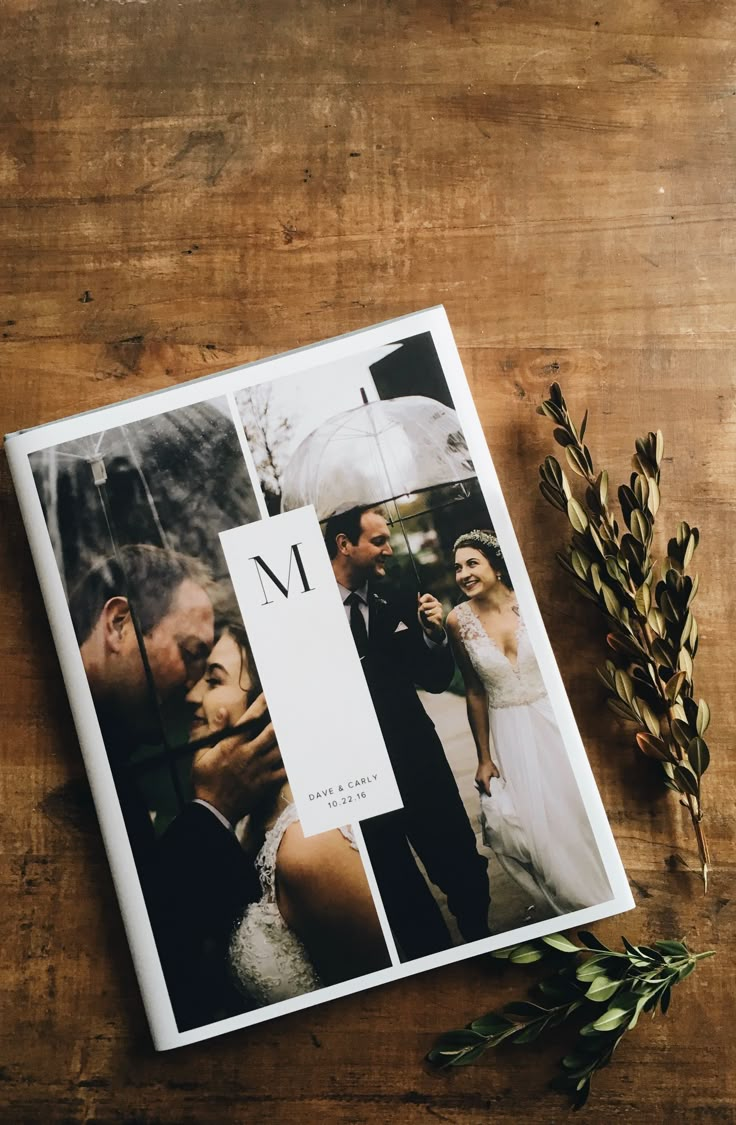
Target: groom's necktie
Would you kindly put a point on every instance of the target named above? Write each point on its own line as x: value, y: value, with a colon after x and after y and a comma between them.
x: 357, y: 623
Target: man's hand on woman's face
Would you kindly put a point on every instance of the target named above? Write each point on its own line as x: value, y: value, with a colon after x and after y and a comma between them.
x: 237, y: 773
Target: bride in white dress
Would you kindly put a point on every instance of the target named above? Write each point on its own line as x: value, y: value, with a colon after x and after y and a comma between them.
x: 315, y: 922
x: 535, y: 818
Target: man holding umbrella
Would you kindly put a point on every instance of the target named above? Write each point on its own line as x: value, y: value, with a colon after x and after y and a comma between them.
x: 401, y: 650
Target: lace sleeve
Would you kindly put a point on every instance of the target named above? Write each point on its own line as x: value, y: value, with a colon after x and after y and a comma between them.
x: 467, y: 623
x: 266, y: 858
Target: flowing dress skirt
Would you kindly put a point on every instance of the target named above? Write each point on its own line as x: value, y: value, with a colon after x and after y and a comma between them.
x: 563, y: 861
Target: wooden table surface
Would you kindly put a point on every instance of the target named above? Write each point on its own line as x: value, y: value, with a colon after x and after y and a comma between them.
x: 190, y: 184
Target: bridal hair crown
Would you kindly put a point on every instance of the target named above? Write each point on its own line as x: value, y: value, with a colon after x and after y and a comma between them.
x: 476, y: 536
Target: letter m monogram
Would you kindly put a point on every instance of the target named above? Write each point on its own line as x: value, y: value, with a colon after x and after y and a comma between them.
x: 262, y: 566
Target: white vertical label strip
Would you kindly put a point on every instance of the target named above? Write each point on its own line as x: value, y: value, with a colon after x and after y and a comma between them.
x: 321, y: 708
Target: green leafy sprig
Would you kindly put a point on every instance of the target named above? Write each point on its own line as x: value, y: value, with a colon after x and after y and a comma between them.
x: 609, y: 991
x: 653, y: 633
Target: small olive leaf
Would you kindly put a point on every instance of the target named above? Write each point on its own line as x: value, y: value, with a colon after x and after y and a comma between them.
x: 560, y: 943
x: 689, y: 551
x: 649, y: 717
x: 576, y: 515
x: 591, y: 968
x: 673, y: 687
x: 588, y: 460
x: 583, y: 425
x: 529, y: 1034
x: 611, y: 1019
x: 606, y: 675
x: 650, y: 951
x: 553, y: 471
x: 692, y: 641
x: 556, y: 396
x: 602, y: 988
x: 685, y: 662
x: 616, y: 572
x: 632, y: 550
x: 580, y: 564
x: 681, y: 733
x: 641, y: 491
x: 652, y: 747
x: 630, y: 949
x: 664, y: 1002
x: 624, y: 686
x: 551, y: 411
x: 691, y: 710
x: 643, y: 599
x: 672, y: 948
x: 698, y: 756
x: 703, y: 718
x: 685, y: 971
x: 602, y: 484
x: 595, y: 578
x: 491, y: 1024
x: 576, y: 461
x: 613, y: 606
x: 656, y: 621
x: 553, y: 496
x: 624, y: 644
x: 592, y: 941
x: 639, y: 526
x: 563, y: 437
x: 668, y: 609
x: 525, y: 954
x: 685, y: 779
x: 622, y: 710
x: 654, y: 498
x: 596, y: 539
x: 693, y: 592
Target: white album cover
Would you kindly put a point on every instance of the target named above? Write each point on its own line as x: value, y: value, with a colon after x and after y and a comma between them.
x: 324, y: 728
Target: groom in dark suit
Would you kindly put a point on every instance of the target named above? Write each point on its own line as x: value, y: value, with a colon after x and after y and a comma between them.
x: 401, y: 649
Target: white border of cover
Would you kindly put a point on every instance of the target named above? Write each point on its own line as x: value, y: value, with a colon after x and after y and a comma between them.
x: 140, y: 936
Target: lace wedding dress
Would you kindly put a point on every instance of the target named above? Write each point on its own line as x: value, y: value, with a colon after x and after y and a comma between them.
x: 267, y: 959
x: 562, y: 860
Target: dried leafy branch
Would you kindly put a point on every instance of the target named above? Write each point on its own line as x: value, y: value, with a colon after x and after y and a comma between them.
x: 654, y: 635
x: 607, y: 990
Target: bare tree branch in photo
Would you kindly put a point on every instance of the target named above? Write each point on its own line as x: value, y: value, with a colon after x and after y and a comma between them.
x: 268, y: 436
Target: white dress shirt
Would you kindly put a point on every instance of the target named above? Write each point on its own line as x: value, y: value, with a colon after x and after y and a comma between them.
x: 362, y: 592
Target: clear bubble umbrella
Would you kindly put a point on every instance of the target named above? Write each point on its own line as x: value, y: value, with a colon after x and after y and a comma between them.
x: 376, y: 453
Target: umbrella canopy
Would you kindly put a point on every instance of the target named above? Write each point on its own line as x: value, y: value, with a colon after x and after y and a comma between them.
x: 376, y: 452
x: 174, y: 480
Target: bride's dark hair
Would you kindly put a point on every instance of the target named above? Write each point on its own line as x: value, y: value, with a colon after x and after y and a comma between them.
x: 248, y: 667
x: 484, y: 541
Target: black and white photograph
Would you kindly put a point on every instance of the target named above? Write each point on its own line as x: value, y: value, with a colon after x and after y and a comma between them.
x: 245, y: 910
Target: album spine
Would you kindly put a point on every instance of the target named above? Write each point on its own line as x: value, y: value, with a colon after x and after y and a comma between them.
x: 127, y: 887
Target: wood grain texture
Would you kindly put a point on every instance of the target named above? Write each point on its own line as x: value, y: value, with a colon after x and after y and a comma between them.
x: 190, y: 184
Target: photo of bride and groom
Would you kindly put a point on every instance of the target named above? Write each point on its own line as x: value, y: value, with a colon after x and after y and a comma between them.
x: 435, y: 620
x: 248, y: 912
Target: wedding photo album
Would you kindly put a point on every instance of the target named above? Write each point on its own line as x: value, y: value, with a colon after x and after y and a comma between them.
x: 325, y: 733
